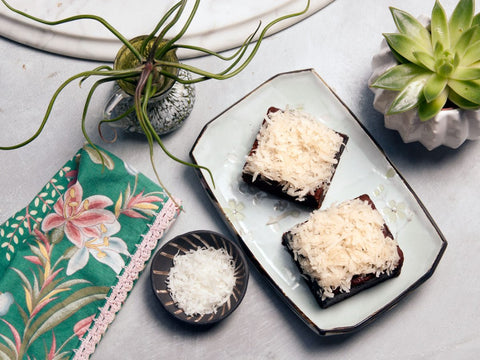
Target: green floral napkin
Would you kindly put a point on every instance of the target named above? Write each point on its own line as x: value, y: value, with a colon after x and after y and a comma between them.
x: 70, y: 258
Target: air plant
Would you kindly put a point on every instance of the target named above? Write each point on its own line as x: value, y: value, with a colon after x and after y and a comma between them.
x: 438, y: 63
x: 150, y: 67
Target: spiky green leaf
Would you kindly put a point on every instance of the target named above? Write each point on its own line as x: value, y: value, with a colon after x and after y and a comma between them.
x: 460, y: 101
x: 427, y: 110
x: 6, y: 353
x: 466, y: 73
x: 62, y: 356
x: 425, y: 59
x: 71, y: 283
x: 405, y: 46
x: 469, y: 90
x: 439, y: 26
x: 469, y: 37
x: 408, y: 25
x: 397, y: 77
x: 472, y: 54
x: 400, y: 59
x: 438, y: 50
x: 22, y: 313
x: 461, y: 19
x: 64, y: 310
x: 25, y: 280
x: 410, y: 96
x: 476, y: 20
x: 434, y: 87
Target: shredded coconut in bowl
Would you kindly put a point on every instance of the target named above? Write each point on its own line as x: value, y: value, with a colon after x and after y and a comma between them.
x: 201, y: 280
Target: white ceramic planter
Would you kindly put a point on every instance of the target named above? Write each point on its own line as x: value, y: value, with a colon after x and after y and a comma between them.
x: 449, y: 128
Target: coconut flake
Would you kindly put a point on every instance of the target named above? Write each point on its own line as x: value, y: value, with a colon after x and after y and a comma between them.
x: 201, y: 280
x: 296, y: 150
x: 343, y: 241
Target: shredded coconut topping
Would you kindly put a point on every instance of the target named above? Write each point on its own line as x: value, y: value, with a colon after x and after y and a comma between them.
x: 201, y: 280
x: 336, y: 244
x: 295, y: 150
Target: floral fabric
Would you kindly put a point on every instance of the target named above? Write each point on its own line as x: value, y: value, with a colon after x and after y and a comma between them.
x: 69, y: 259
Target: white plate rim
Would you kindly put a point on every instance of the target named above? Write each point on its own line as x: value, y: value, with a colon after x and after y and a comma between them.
x: 93, y: 42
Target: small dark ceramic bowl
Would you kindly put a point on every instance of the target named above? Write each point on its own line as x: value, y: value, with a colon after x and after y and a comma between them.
x: 163, y: 261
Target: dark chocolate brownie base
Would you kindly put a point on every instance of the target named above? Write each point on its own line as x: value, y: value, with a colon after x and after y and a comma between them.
x: 359, y: 282
x: 312, y: 201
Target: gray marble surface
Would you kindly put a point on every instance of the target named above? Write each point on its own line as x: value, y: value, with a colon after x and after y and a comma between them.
x: 437, y: 321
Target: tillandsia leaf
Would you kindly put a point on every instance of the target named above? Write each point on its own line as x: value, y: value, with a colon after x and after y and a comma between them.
x: 439, y: 26
x: 427, y: 110
x: 410, y: 96
x: 205, y: 75
x: 100, y: 154
x: 164, y: 49
x: 99, y: 68
x: 461, y: 19
x: 99, y: 19
x: 408, y: 25
x: 466, y: 73
x: 469, y: 90
x: 148, y: 128
x: 472, y: 54
x: 159, y: 25
x: 461, y: 102
x: 469, y: 37
x: 434, y: 86
x: 397, y: 77
x: 405, y: 46
x: 427, y: 60
x: 54, y: 98
x: 237, y: 55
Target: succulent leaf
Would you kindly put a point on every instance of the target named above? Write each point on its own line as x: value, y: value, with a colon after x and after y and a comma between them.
x: 438, y: 63
x: 446, y: 63
x: 427, y: 60
x: 466, y: 73
x: 461, y: 19
x: 461, y: 102
x: 410, y: 96
x: 469, y: 90
x: 438, y: 50
x: 476, y: 20
x: 472, y: 54
x: 434, y: 87
x: 398, y: 77
x: 400, y: 59
x: 427, y: 110
x: 439, y: 26
x: 407, y: 24
x: 469, y: 37
x: 405, y: 46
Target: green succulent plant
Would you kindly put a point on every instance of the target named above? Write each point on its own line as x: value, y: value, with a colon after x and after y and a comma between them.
x: 439, y: 63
